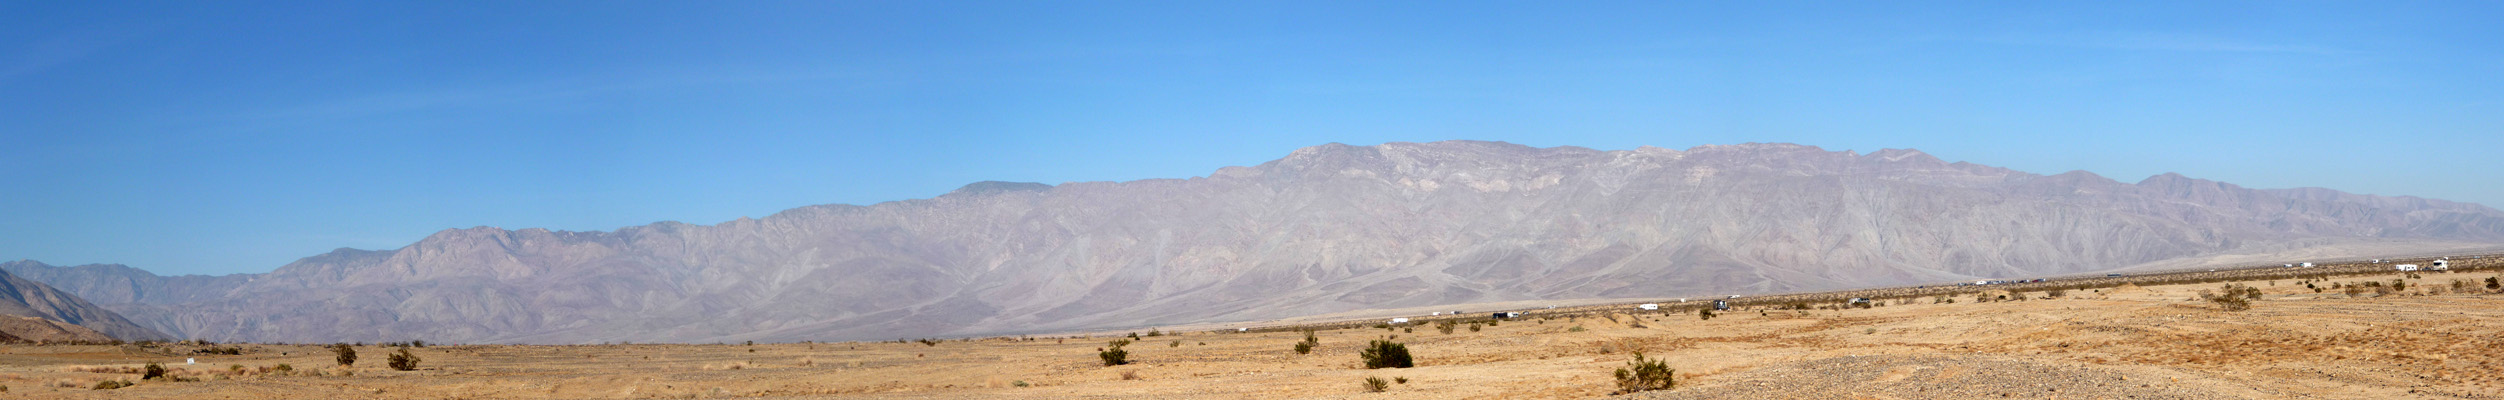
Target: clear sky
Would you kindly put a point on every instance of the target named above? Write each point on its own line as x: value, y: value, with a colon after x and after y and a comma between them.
x: 220, y: 137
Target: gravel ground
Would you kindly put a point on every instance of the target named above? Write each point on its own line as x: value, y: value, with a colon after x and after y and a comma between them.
x: 1943, y: 377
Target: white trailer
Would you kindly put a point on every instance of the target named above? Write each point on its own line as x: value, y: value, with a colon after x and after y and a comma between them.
x: 1649, y: 306
x: 2439, y: 265
x: 2405, y: 267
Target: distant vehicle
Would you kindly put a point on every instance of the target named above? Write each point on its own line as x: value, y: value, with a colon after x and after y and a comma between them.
x: 1983, y: 282
x: 1721, y: 305
x: 2306, y: 265
x: 2112, y: 275
x: 1857, y: 301
x: 1503, y: 315
x: 1399, y: 320
x: 1734, y: 296
x: 2287, y: 266
x: 1435, y: 314
x: 2405, y: 267
x: 2440, y: 265
x: 1649, y: 306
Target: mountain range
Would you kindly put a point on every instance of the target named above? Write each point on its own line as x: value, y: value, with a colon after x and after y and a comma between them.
x: 37, y: 312
x: 1325, y: 229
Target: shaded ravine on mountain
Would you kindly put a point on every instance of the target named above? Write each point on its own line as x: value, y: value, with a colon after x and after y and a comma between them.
x: 1326, y: 229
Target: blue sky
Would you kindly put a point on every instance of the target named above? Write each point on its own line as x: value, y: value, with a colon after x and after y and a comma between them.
x: 220, y: 137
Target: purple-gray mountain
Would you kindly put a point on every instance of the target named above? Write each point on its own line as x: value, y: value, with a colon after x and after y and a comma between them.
x: 22, y: 297
x: 1328, y: 228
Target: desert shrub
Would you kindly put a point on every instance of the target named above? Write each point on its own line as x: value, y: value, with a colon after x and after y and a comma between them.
x: 1399, y: 380
x: 2056, y: 293
x: 1306, y: 346
x: 1130, y: 375
x: 1020, y: 383
x: 1473, y: 327
x: 2236, y: 297
x: 2493, y: 284
x: 112, y: 384
x: 1177, y: 343
x: 1576, y: 328
x: 1385, y: 354
x: 1376, y: 385
x: 929, y: 342
x: 213, y: 350
x: 2352, y: 291
x: 1408, y: 330
x: 403, y: 360
x: 1134, y: 336
x: 1115, y: 355
x: 2399, y: 285
x: 1446, y: 326
x: 1153, y: 333
x: 346, y: 354
x: 1642, y: 374
x: 153, y: 371
x: 1707, y: 315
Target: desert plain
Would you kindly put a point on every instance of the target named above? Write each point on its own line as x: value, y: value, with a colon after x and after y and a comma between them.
x: 2440, y: 337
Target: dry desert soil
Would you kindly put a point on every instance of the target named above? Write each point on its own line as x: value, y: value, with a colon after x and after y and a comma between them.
x: 2126, y: 342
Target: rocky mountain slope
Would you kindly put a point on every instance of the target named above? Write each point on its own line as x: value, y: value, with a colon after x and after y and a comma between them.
x: 1328, y: 228
x: 30, y: 310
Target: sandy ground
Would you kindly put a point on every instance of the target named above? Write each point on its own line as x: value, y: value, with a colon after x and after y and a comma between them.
x: 2130, y: 342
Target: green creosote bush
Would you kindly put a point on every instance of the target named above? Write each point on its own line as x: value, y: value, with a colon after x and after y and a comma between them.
x: 1306, y: 346
x: 152, y: 371
x: 1376, y: 385
x: 1386, y: 354
x: 1115, y: 355
x: 1641, y: 375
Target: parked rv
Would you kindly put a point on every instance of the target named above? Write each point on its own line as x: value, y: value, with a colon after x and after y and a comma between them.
x: 1649, y: 306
